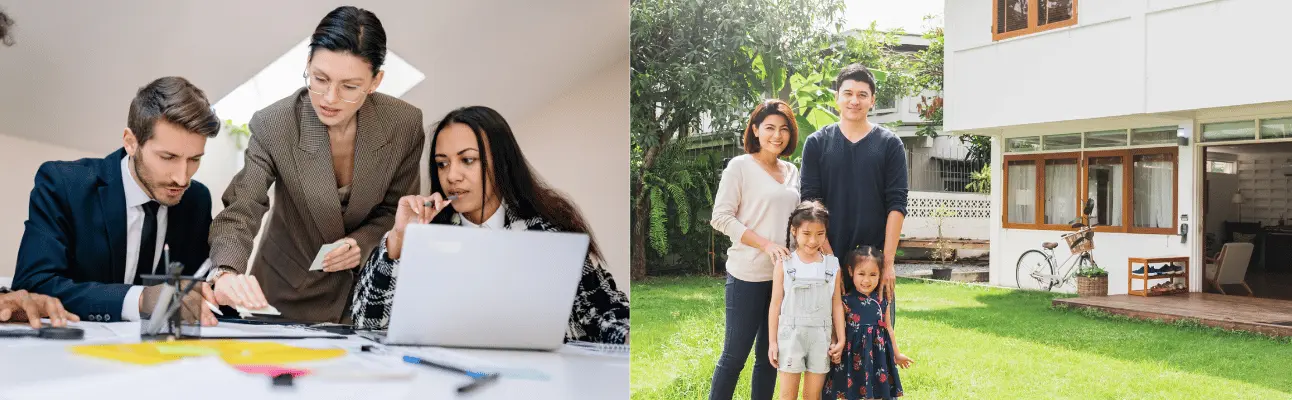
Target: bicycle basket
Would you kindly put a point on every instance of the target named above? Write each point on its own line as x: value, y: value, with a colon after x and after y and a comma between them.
x: 1077, y: 244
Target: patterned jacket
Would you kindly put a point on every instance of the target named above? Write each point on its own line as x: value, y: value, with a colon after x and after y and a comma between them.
x: 600, y: 312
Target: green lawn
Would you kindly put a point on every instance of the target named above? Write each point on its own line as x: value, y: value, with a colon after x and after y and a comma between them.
x: 979, y: 343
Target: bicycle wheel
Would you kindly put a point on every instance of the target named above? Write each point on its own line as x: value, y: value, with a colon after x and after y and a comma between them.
x: 1034, y: 271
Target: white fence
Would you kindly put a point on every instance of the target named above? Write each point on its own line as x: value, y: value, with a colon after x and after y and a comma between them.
x: 970, y: 219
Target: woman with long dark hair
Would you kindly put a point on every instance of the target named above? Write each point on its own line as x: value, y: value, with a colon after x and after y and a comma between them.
x: 339, y: 156
x: 474, y: 156
x: 752, y: 206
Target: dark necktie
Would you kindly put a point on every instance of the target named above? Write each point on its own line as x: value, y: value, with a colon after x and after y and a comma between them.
x: 147, y: 241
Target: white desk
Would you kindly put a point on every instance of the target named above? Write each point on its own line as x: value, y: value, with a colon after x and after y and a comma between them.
x: 568, y: 375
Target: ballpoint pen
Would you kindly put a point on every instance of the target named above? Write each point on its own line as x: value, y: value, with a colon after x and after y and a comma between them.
x: 478, y: 379
x: 428, y: 204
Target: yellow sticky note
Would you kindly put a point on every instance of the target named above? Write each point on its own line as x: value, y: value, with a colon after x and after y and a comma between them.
x: 186, y: 350
x: 236, y: 352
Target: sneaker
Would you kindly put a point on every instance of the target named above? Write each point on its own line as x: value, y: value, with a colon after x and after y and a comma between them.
x: 1151, y: 271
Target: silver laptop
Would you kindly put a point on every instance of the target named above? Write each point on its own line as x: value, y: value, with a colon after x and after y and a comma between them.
x: 485, y: 288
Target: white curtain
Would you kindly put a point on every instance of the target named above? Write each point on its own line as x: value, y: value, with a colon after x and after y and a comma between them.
x: 1060, y: 192
x: 1115, y: 203
x: 1154, y: 191
x: 1105, y: 176
x: 1022, y: 193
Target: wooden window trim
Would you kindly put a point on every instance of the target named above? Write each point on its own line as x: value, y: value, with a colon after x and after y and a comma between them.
x: 1126, y: 186
x: 1083, y: 161
x: 1032, y: 19
x: 1038, y: 220
x: 1174, y: 152
x: 1004, y: 214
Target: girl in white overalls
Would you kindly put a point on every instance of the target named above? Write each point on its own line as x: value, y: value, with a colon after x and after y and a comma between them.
x: 806, y: 306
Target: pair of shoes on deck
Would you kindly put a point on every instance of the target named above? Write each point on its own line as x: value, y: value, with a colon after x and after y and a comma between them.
x: 1166, y: 287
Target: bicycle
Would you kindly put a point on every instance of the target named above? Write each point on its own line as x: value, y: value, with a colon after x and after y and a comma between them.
x: 1037, y: 270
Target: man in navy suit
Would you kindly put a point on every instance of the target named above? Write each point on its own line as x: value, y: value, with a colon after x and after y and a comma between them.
x: 96, y: 224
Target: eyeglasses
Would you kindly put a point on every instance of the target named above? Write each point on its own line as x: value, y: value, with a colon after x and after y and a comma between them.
x: 349, y: 93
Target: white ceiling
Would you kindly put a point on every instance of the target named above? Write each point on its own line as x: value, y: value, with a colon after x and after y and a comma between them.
x: 69, y: 79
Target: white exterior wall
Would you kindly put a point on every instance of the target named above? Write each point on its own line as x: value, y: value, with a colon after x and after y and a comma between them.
x: 1123, y: 57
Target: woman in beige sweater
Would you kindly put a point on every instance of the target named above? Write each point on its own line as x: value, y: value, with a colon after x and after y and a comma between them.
x: 757, y: 192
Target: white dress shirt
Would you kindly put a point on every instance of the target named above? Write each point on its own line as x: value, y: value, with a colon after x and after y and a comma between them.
x: 135, y: 199
x: 495, y: 221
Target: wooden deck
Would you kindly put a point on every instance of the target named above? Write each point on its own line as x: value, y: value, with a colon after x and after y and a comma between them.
x: 1265, y: 316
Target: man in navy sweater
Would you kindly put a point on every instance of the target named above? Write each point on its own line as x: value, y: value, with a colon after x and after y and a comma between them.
x: 858, y: 170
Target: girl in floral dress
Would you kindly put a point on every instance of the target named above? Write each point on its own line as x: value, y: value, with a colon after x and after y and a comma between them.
x: 866, y: 366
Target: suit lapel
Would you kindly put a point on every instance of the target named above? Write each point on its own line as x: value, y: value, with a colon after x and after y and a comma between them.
x: 314, y: 162
x: 112, y: 202
x: 366, y: 189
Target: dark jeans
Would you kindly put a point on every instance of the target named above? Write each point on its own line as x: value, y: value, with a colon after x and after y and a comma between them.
x: 747, y: 305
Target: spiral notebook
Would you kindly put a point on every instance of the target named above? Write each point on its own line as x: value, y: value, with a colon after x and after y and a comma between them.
x: 602, y: 349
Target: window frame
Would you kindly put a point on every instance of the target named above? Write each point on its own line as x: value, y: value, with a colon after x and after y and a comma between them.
x: 1039, y: 160
x: 1032, y: 19
x: 1083, y: 162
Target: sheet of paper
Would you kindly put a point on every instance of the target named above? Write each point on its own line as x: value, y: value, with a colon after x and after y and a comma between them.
x: 160, y: 382
x: 192, y: 379
x: 268, y: 310
x: 318, y: 259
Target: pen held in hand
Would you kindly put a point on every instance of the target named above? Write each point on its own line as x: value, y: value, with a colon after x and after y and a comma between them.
x: 447, y: 199
x: 428, y: 204
x: 213, y: 308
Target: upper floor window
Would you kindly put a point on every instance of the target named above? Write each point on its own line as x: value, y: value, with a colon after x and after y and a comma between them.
x: 1020, y: 17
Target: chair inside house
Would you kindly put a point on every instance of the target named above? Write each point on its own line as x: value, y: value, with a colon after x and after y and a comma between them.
x: 1230, y: 267
x: 1247, y: 232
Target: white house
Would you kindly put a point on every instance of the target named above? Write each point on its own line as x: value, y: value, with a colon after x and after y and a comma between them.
x: 1128, y: 104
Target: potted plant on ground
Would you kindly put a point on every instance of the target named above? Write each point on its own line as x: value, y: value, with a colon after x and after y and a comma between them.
x: 943, y: 252
x: 1092, y: 281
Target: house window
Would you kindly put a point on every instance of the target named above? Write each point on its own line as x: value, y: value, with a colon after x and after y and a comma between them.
x: 1060, y: 191
x: 1104, y: 189
x: 1106, y: 139
x: 1013, y: 18
x: 1225, y: 131
x: 1023, y: 144
x: 1067, y: 141
x: 1020, y: 198
x: 1130, y: 190
x: 1154, y: 190
x: 1222, y: 167
x: 1276, y: 128
x: 1160, y: 135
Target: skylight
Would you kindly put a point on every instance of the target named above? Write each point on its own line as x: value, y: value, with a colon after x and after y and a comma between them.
x: 283, y: 76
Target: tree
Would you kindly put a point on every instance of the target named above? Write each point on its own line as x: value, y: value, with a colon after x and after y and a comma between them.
x: 813, y: 99
x: 928, y: 65
x: 700, y: 66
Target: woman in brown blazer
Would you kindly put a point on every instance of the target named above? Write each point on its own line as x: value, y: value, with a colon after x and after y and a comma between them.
x: 339, y: 156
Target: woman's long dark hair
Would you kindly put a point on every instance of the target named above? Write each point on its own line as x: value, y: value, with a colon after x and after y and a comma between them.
x: 523, y: 192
